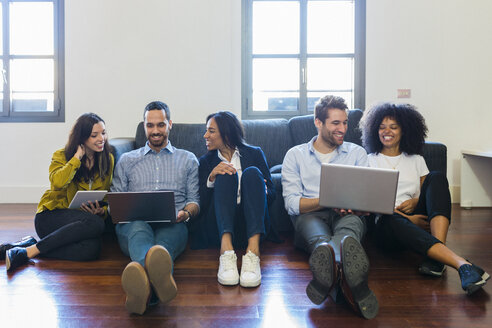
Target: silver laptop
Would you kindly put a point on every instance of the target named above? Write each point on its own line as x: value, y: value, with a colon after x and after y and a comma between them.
x: 151, y: 206
x: 358, y: 188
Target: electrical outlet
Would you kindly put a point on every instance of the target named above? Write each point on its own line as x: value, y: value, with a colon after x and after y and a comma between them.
x: 403, y: 93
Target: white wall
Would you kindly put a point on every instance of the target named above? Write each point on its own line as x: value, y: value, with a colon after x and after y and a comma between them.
x: 441, y: 50
x: 121, y: 54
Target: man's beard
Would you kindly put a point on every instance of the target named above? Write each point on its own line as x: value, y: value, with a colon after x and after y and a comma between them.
x: 157, y: 143
x: 330, y: 140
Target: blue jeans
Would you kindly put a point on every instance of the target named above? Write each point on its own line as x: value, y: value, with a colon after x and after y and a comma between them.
x: 253, y: 207
x: 137, y: 237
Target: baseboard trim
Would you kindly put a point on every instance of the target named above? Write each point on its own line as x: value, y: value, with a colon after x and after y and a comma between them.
x: 455, y: 192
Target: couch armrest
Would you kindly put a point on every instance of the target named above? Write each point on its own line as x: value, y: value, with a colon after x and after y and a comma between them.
x: 120, y: 146
x: 276, y: 169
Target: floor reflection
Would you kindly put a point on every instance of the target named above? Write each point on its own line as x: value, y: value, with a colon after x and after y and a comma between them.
x: 276, y: 313
x: 27, y: 303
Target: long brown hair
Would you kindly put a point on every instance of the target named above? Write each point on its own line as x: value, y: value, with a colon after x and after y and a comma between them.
x: 81, y: 131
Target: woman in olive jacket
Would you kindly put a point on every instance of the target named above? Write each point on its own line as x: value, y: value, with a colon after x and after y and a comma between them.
x: 70, y: 234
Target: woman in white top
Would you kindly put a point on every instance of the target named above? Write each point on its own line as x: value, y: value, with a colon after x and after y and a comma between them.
x: 394, y: 136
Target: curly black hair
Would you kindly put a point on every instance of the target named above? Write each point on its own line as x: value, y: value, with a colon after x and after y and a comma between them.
x: 412, y: 123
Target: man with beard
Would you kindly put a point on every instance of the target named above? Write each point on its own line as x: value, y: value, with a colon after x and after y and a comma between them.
x: 338, y: 262
x: 154, y: 246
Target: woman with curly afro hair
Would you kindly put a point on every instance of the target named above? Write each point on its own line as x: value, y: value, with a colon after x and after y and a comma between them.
x: 394, y: 136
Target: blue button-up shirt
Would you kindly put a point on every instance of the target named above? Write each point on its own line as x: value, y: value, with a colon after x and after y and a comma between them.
x: 301, y: 170
x: 170, y: 169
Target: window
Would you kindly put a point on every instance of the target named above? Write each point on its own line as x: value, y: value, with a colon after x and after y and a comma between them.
x: 295, y: 51
x: 32, y: 64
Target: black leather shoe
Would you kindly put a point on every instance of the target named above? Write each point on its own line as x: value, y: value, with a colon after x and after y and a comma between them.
x: 15, y: 257
x: 324, y: 269
x: 24, y: 242
x: 355, y: 272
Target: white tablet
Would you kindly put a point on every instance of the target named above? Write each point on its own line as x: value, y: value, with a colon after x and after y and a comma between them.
x: 84, y: 196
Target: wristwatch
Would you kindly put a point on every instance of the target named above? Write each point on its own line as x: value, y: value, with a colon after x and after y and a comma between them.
x: 189, y: 214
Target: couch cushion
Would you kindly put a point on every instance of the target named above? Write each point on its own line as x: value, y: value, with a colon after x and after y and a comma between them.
x: 272, y: 135
x: 189, y: 137
x: 435, y: 155
x: 140, y: 138
x: 278, y: 215
x: 302, y: 129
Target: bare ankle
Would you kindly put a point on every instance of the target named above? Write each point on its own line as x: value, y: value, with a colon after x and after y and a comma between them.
x: 254, y: 251
x: 225, y: 249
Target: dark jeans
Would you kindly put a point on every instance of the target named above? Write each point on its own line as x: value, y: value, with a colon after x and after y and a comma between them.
x: 326, y: 226
x: 69, y: 234
x: 253, y: 206
x: 395, y: 232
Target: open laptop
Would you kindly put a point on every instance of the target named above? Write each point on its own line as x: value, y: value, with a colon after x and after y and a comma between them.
x: 149, y: 206
x: 358, y: 188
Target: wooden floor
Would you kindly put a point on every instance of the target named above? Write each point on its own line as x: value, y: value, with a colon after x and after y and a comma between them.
x: 51, y: 293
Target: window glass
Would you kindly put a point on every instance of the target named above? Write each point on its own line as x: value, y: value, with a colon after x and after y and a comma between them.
x: 314, y: 96
x: 330, y: 74
x: 275, y: 27
x: 3, y: 80
x: 273, y: 80
x: 32, y: 102
x: 295, y: 52
x: 31, y: 28
x: 31, y: 74
x: 32, y: 61
x: 1, y: 30
x: 330, y: 27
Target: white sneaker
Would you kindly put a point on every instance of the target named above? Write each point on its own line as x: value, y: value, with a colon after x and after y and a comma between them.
x: 250, y: 270
x: 228, y: 274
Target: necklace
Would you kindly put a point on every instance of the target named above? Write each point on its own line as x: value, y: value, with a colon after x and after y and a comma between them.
x: 393, y: 166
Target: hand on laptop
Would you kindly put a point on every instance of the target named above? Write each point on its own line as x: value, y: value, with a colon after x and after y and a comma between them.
x: 93, y: 208
x: 344, y: 212
x: 182, y: 216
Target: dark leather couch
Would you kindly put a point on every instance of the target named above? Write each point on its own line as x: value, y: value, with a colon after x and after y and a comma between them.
x: 275, y: 137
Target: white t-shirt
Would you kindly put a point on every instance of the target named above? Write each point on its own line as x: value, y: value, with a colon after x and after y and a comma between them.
x: 411, y: 168
x: 324, y: 158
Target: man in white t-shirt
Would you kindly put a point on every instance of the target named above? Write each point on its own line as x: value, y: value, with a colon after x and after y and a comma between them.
x: 331, y: 236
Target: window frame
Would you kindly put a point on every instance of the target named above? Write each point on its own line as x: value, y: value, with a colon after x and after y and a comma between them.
x: 58, y: 114
x: 247, y: 60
